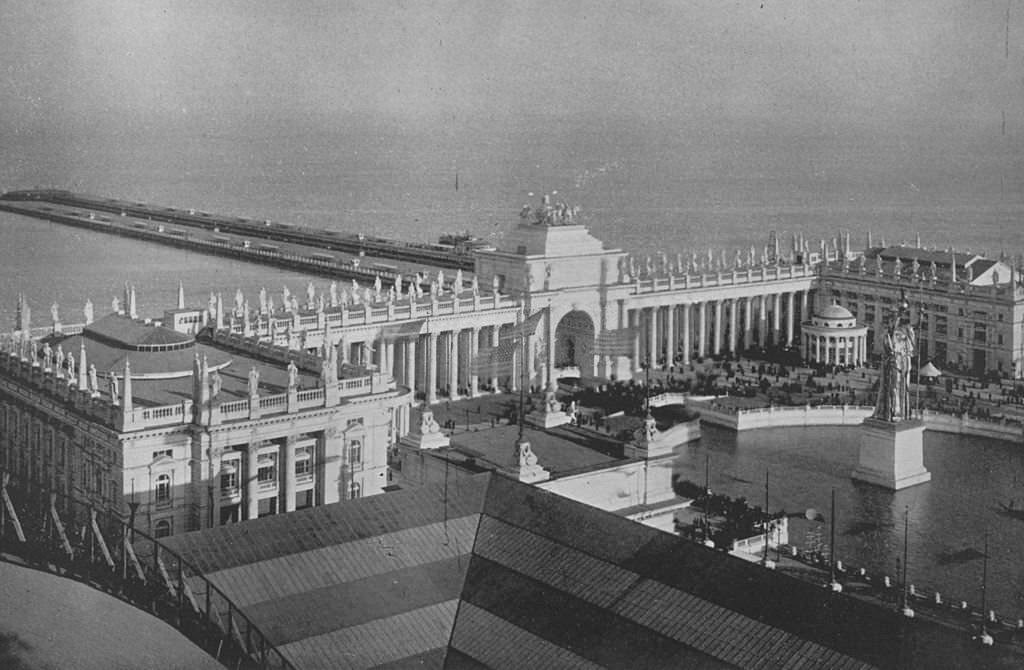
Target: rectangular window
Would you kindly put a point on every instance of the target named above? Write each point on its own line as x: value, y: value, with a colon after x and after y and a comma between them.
x: 303, y: 464
x: 355, y: 454
x: 229, y: 477
x: 169, y: 453
x: 163, y: 490
x: 979, y: 332
x: 266, y: 474
x: 304, y: 499
x: 267, y: 506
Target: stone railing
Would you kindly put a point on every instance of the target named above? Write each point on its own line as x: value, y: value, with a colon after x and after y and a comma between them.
x: 352, y: 315
x: 770, y: 417
x: 962, y: 424
x: 844, y: 415
x: 747, y: 276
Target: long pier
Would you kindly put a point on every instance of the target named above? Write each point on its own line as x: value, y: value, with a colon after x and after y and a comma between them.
x: 456, y: 256
x: 306, y: 250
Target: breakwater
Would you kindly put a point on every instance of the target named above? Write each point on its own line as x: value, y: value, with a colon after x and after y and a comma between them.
x: 308, y: 261
x: 458, y: 255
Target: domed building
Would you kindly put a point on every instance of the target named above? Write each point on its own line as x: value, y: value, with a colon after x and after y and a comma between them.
x: 833, y: 337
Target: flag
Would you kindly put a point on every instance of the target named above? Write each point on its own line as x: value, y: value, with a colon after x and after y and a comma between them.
x: 614, y: 342
x: 529, y: 324
x: 495, y: 361
x: 402, y: 330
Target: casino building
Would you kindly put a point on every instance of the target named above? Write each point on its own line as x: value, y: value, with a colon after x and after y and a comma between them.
x: 192, y: 430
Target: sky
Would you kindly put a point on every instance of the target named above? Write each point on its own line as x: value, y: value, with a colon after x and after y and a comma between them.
x: 933, y: 68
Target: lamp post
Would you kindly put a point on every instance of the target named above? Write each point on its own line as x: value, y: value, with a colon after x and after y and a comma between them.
x: 832, y: 583
x: 905, y: 608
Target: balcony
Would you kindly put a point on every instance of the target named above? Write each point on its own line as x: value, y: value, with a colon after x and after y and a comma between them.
x: 230, y: 494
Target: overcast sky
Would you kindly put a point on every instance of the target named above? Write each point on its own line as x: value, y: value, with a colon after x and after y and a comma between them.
x: 923, y: 66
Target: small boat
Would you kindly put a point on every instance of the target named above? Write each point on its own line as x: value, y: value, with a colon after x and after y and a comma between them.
x: 1010, y: 509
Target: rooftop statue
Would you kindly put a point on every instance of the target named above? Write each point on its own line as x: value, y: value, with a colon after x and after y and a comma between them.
x: 254, y: 382
x: 548, y: 214
x: 893, y: 402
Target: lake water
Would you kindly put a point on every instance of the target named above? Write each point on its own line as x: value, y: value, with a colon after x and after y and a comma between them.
x: 641, y: 187
x: 950, y: 514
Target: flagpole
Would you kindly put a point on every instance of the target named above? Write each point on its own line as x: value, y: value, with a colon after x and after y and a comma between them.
x: 522, y: 381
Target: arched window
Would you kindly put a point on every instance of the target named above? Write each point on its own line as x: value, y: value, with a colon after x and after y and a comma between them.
x: 162, y: 528
x: 163, y: 489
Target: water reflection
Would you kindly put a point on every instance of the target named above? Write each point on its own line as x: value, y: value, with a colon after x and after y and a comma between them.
x: 972, y: 480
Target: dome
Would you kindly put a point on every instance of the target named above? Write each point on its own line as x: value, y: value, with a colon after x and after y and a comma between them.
x: 835, y: 311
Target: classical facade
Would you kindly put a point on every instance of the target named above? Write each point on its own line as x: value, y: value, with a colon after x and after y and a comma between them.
x: 191, y: 430
x: 833, y: 337
x: 967, y: 309
x: 552, y: 277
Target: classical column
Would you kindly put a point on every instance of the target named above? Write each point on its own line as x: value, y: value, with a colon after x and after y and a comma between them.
x: 684, y: 326
x: 495, y: 334
x: 431, y: 356
x: 748, y: 327
x: 410, y: 363
x: 634, y: 323
x: 776, y: 318
x: 702, y: 328
x: 389, y: 354
x: 652, y: 336
x: 762, y: 318
x: 732, y: 325
x: 252, y: 475
x: 289, y: 474
x: 716, y: 313
x: 453, y: 364
x: 804, y: 316
x: 670, y: 335
x: 474, y: 351
x: 789, y: 319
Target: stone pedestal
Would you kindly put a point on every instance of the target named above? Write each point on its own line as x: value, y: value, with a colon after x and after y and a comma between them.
x: 428, y: 436
x: 418, y: 440
x: 544, y: 419
x: 525, y: 467
x: 891, y: 454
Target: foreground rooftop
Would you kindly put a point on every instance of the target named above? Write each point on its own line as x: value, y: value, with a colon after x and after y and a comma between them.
x: 484, y: 571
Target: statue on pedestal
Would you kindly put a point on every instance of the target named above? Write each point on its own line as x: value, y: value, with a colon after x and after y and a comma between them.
x: 254, y: 382
x: 428, y: 425
x: 525, y: 458
x: 551, y: 403
x: 293, y: 375
x: 899, y: 342
x: 87, y: 312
